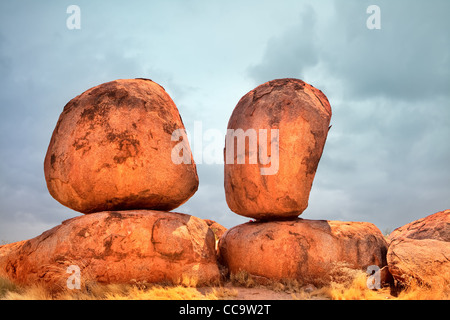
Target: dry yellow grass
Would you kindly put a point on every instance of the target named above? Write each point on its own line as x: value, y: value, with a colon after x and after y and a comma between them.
x: 417, y: 291
x: 160, y: 293
x: 346, y: 284
x: 95, y: 291
x: 111, y: 292
x: 352, y: 285
x: 354, y: 289
x: 6, y: 287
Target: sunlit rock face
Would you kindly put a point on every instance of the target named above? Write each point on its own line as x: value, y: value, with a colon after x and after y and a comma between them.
x: 116, y: 247
x: 283, y: 125
x: 420, y: 251
x: 112, y: 150
x: 301, y: 249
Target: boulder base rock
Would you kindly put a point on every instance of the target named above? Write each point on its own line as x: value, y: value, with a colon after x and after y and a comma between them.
x: 116, y: 247
x: 279, y: 188
x: 420, y: 251
x: 306, y: 250
x: 425, y: 261
x: 112, y: 150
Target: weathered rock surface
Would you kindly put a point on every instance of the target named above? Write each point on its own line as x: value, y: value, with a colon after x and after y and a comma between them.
x: 111, y: 150
x: 307, y: 250
x: 278, y: 188
x: 216, y: 227
x: 420, y: 251
x: 116, y: 247
x: 435, y: 226
x: 5, y: 251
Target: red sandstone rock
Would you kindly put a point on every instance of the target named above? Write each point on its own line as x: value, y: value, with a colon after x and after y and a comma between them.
x: 116, y: 247
x: 279, y: 189
x: 111, y: 150
x: 420, y: 251
x: 306, y: 250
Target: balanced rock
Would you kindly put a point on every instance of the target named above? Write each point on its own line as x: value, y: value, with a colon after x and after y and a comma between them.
x: 286, y: 122
x: 420, y: 251
x: 116, y: 247
x: 306, y: 250
x: 217, y: 228
x: 112, y: 150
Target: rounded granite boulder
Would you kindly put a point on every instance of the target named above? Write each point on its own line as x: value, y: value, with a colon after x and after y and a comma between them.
x: 301, y: 249
x: 116, y: 247
x: 275, y: 138
x: 112, y: 150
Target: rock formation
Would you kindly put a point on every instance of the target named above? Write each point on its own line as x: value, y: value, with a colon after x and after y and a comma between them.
x: 301, y: 249
x: 217, y: 228
x: 279, y: 245
x: 116, y: 247
x: 435, y: 226
x: 420, y: 251
x: 111, y: 155
x: 301, y: 114
x: 111, y: 150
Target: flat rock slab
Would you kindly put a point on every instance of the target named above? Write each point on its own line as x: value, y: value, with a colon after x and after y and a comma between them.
x: 307, y: 250
x: 116, y: 247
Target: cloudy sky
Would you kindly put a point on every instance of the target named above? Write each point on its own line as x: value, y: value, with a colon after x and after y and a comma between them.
x: 387, y: 157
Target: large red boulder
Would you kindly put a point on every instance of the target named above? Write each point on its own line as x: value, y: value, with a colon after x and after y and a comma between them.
x: 420, y: 251
x: 435, y: 226
x: 112, y: 150
x: 270, y: 178
x: 306, y: 250
x: 116, y: 247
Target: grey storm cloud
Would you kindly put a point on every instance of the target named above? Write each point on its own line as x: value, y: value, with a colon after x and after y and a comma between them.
x: 288, y: 54
x: 407, y: 59
x: 386, y: 157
